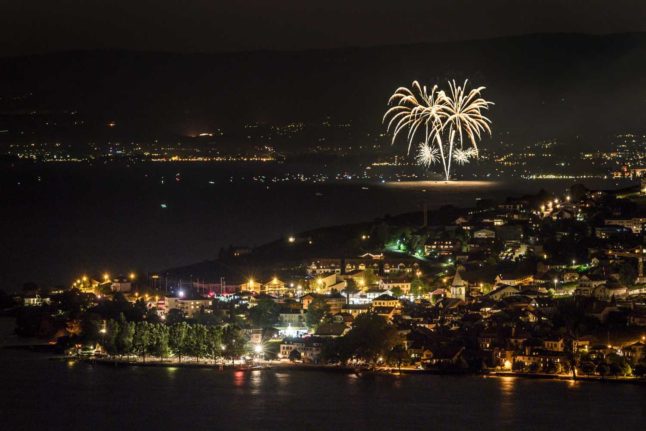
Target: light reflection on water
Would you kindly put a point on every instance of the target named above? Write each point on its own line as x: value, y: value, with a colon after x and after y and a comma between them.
x: 295, y: 400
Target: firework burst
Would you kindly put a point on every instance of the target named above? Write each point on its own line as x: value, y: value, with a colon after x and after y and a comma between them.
x: 447, y: 120
x: 427, y: 154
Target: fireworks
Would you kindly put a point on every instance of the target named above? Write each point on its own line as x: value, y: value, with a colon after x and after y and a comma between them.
x: 426, y: 154
x: 447, y: 120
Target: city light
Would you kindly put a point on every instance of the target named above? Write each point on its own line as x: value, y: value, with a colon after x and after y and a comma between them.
x: 258, y: 349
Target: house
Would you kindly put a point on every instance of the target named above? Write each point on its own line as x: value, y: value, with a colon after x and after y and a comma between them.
x: 442, y: 247
x: 35, y: 300
x: 514, y: 279
x: 401, y: 283
x: 335, y: 303
x: 332, y: 329
x: 386, y: 301
x: 307, y: 299
x: 635, y: 225
x: 355, y: 309
x: 606, y: 292
x: 587, y: 283
x: 324, y: 267
x: 386, y: 312
x: 274, y: 287
x: 400, y: 265
x: 606, y: 232
x: 554, y: 344
x: 443, y: 354
x: 308, y: 348
x: 328, y: 283
x: 541, y: 358
x: 502, y: 292
x: 484, y: 234
x: 121, y: 284
x: 189, y: 306
x: 635, y: 352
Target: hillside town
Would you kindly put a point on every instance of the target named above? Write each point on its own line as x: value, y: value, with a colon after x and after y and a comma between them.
x: 537, y: 285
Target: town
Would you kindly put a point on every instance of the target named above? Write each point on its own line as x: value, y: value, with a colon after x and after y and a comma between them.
x: 540, y: 285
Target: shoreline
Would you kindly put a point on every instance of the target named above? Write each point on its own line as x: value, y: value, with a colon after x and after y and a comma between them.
x: 387, y: 372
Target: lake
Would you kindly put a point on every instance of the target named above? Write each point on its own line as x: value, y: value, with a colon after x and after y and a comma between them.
x: 63, y: 220
x: 37, y: 393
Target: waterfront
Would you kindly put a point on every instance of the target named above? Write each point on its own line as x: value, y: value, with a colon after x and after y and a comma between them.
x: 71, y: 395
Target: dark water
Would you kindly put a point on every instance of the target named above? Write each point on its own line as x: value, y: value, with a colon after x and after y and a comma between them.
x: 38, y: 394
x: 60, y: 221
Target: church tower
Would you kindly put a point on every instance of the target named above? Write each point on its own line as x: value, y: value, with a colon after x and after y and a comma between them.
x: 458, y: 287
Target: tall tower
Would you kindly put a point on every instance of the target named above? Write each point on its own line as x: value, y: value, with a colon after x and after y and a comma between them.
x: 458, y: 287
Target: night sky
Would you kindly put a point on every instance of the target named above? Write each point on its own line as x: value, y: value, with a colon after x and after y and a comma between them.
x: 36, y: 26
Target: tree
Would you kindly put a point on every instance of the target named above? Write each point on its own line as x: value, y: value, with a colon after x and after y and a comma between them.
x: 397, y: 292
x: 91, y: 325
x: 178, y: 339
x: 214, y: 341
x: 603, y: 369
x: 109, y: 338
x: 398, y: 355
x: 294, y: 355
x: 350, y: 289
x: 174, y: 316
x: 317, y: 309
x: 369, y: 277
x: 418, y: 287
x: 160, y: 340
x: 125, y: 338
x: 372, y: 336
x: 265, y: 313
x: 197, y: 341
x: 141, y: 341
x: 234, y: 342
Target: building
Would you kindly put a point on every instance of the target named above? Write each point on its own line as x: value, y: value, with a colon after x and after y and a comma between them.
x: 484, y: 234
x: 35, y: 300
x: 308, y: 348
x: 442, y: 247
x: 556, y: 344
x: 386, y: 301
x: 332, y: 329
x: 190, y: 307
x: 274, y: 287
x: 403, y: 284
x: 459, y: 287
x: 503, y: 292
x: 324, y: 266
x: 121, y: 284
x: 635, y: 225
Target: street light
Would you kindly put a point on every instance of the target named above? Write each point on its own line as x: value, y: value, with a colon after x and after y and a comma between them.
x: 132, y: 276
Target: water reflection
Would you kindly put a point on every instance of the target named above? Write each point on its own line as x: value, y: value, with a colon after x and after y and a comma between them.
x: 507, y: 385
x: 238, y: 378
